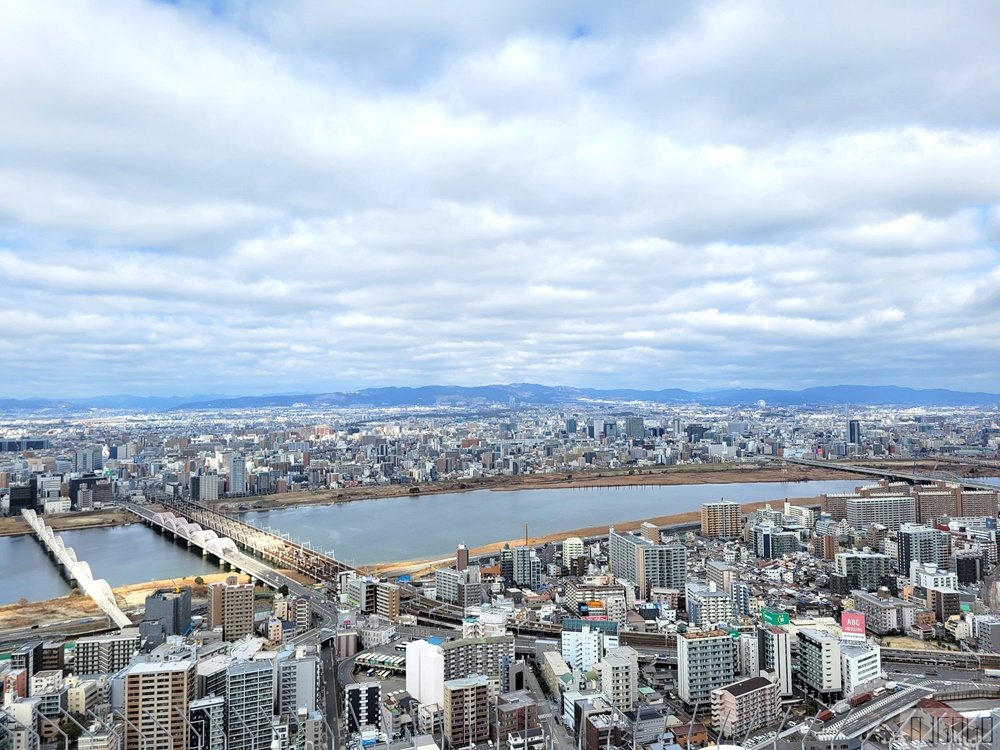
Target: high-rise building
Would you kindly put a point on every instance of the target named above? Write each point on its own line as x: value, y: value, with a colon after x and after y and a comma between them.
x: 744, y: 706
x: 854, y: 431
x: 635, y: 427
x: 249, y: 704
x: 105, y: 654
x: 572, y: 549
x: 921, y: 544
x: 819, y: 662
x: 527, y: 568
x: 636, y: 559
x: 171, y: 608
x: 298, y: 683
x: 208, y: 723
x: 706, y: 660
x: 362, y: 705
x: 231, y: 607
x: 154, y: 698
x: 772, y: 541
x: 775, y: 655
x: 90, y: 458
x: 425, y: 672
x: 707, y: 606
x: 619, y: 671
x: 722, y: 520
x: 863, y: 570
x: 466, y: 711
x: 485, y: 656
x: 237, y: 475
x: 582, y: 648
x: 891, y: 511
x: 507, y: 564
x: 461, y: 587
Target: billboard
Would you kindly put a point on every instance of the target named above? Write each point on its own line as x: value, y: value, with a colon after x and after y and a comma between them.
x: 853, y: 625
x: 774, y: 617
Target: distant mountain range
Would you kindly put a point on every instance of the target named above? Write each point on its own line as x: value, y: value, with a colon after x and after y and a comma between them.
x: 522, y: 393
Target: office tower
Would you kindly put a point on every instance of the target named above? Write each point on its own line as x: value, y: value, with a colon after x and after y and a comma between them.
x: 572, y: 549
x: 462, y: 557
x: 637, y: 559
x: 721, y: 520
x: 889, y: 510
x: 23, y: 497
x: 154, y: 697
x: 744, y: 706
x: 705, y: 661
x: 362, y: 705
x: 527, y: 568
x: 619, y: 671
x: 466, y: 711
x: 208, y: 723
x: 775, y: 653
x: 819, y: 663
x: 707, y: 606
x: 863, y: 570
x: 249, y: 704
x: 921, y: 544
x: 171, y: 608
x: 105, y: 654
x: 571, y: 426
x: 90, y: 458
x: 635, y: 427
x: 237, y: 475
x: 968, y: 565
x: 586, y: 645
x: 854, y: 431
x: 231, y: 606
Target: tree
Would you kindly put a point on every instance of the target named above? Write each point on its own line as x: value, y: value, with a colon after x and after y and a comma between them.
x: 283, y: 589
x: 22, y: 601
x: 199, y: 580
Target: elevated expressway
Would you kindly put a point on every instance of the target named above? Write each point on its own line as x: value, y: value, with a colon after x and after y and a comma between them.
x: 76, y: 570
x: 905, y: 476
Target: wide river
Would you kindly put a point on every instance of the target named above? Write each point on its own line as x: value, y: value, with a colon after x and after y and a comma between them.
x: 390, y: 529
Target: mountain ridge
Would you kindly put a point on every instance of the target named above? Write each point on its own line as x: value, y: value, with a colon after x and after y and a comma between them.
x: 523, y: 393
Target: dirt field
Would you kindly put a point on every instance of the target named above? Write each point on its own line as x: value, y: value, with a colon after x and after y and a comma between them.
x: 66, y: 521
x: 418, y: 568
x: 79, y: 606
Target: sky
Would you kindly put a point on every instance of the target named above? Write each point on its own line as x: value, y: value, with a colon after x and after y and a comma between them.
x: 242, y: 197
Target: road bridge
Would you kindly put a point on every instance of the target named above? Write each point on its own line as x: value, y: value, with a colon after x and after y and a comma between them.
x: 269, y: 546
x: 76, y: 570
x: 903, y: 476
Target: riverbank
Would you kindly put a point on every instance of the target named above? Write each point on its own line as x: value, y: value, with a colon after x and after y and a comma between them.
x: 662, y: 476
x: 90, y: 519
x: 73, y: 607
x: 418, y: 568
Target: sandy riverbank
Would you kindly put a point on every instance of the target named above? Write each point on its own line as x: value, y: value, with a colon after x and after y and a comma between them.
x: 417, y: 568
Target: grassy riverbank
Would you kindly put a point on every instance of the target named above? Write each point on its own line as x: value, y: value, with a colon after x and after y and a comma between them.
x: 91, y: 519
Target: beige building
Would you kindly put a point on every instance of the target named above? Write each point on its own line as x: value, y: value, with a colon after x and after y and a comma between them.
x: 721, y: 520
x: 230, y: 607
x: 744, y: 706
x: 155, y: 698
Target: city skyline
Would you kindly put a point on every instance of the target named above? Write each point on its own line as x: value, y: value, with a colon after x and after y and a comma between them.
x: 241, y: 199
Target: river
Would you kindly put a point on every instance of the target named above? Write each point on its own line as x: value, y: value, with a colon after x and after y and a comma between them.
x: 383, y: 530
x: 417, y: 528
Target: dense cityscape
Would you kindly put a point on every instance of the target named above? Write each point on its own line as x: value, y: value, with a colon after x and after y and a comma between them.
x: 866, y: 615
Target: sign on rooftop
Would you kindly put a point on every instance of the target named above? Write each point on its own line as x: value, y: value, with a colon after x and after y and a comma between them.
x: 774, y: 616
x: 852, y: 624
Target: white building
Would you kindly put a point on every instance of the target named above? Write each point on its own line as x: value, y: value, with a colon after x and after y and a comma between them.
x: 572, y: 548
x: 859, y: 665
x: 425, y: 672
x: 582, y: 650
x: 930, y: 576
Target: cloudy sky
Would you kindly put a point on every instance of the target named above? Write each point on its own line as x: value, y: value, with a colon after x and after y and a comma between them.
x: 265, y: 197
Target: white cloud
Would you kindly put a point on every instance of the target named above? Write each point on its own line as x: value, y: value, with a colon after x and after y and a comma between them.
x: 297, y: 196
